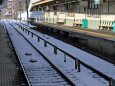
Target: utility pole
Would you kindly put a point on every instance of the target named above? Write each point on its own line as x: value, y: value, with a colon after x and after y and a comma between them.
x: 20, y: 14
x: 20, y: 9
x: 17, y: 9
x: 27, y: 11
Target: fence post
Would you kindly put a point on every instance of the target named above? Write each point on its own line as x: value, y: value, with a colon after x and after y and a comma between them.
x: 32, y: 35
x: 110, y: 82
x: 64, y: 57
x: 76, y: 63
x: 23, y: 29
x: 38, y: 39
x: 28, y: 32
x: 55, y: 50
x: 79, y: 66
x: 45, y: 43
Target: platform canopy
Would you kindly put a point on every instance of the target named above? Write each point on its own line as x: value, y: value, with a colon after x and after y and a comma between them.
x: 41, y: 2
x: 52, y: 2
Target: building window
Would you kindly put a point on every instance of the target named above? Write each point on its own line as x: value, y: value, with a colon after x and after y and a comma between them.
x: 61, y: 9
x: 93, y: 9
x: 92, y: 5
x: 54, y: 7
x: 55, y: 10
x: 112, y: 7
x: 77, y: 9
x: 69, y: 9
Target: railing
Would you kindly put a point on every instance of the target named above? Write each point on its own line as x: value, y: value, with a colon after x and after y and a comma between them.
x: 77, y: 61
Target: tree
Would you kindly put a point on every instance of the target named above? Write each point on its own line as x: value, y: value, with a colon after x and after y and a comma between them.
x: 1, y: 1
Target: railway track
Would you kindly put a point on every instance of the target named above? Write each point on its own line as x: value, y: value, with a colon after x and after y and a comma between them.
x: 105, y: 76
x: 45, y: 73
x: 102, y: 74
x: 76, y: 45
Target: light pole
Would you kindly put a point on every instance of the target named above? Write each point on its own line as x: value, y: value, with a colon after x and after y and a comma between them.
x: 27, y: 11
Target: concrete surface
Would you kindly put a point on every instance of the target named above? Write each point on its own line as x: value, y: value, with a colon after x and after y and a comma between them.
x: 9, y: 73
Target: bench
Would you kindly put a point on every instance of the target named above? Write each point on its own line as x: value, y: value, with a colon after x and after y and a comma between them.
x: 106, y: 25
x: 78, y: 23
x: 60, y: 21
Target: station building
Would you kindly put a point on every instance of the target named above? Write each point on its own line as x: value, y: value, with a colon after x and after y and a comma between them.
x: 69, y: 11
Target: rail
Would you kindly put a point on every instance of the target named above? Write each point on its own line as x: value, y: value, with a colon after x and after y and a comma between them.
x: 66, y: 77
x: 77, y: 61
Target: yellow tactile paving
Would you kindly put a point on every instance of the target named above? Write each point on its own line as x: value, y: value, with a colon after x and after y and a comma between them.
x: 78, y: 30
x: 99, y: 34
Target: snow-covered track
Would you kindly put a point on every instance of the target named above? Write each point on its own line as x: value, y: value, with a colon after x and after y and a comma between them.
x: 78, y: 62
x: 47, y: 26
x: 14, y: 48
x: 46, y: 76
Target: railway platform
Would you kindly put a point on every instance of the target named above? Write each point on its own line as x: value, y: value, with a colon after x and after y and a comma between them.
x: 101, y: 33
x: 10, y: 74
x: 38, y: 71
